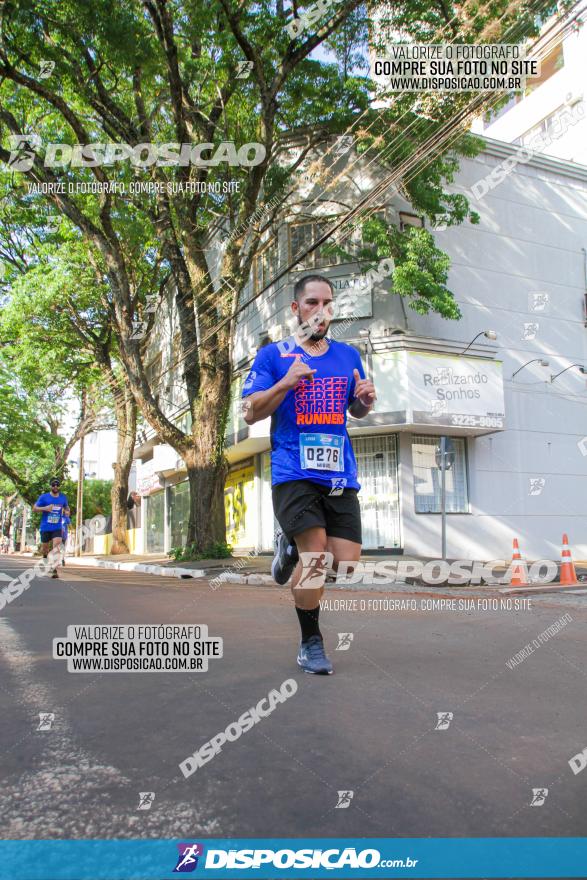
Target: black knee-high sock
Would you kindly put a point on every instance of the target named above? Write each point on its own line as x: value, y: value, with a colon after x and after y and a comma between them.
x: 309, y: 622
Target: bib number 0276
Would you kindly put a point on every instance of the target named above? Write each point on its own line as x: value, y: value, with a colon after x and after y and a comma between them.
x: 323, y: 452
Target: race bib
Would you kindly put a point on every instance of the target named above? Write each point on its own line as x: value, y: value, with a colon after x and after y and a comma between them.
x: 323, y: 452
x: 55, y: 516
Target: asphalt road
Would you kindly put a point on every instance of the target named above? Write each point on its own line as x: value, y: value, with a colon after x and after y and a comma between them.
x: 368, y: 729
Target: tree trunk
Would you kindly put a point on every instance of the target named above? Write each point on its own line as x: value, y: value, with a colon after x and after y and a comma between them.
x: 206, y: 479
x: 206, y: 465
x: 8, y: 521
x: 126, y: 424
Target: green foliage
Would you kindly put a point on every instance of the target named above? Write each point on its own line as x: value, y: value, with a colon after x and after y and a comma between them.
x: 218, y: 550
x: 105, y: 57
x: 421, y: 274
x: 97, y: 498
x: 27, y: 446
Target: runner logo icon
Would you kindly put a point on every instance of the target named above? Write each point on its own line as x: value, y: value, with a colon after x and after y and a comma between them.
x: 188, y: 857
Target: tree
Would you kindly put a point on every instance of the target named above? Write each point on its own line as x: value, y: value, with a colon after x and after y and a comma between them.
x: 58, y: 312
x: 31, y: 448
x: 184, y: 72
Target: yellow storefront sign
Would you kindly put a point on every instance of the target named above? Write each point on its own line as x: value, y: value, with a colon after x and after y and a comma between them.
x: 239, y: 506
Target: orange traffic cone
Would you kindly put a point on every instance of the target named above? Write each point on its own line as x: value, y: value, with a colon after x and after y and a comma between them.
x: 568, y: 575
x: 520, y: 570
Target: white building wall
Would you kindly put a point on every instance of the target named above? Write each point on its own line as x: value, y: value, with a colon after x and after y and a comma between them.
x: 563, y: 89
x: 531, y: 238
x: 99, y: 456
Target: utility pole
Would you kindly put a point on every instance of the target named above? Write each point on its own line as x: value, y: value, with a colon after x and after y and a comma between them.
x: 443, y: 496
x: 80, y: 499
x: 79, y: 518
x: 24, y: 525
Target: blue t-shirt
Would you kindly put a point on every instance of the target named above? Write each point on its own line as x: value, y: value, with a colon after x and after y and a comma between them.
x: 309, y: 439
x: 65, y: 523
x: 51, y: 519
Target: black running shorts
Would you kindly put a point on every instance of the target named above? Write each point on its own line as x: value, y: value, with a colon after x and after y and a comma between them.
x: 48, y: 536
x: 302, y: 504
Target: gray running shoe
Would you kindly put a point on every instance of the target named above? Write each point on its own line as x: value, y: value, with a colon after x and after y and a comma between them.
x: 286, y: 557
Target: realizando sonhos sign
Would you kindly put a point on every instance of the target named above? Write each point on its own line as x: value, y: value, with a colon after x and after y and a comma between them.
x: 421, y: 388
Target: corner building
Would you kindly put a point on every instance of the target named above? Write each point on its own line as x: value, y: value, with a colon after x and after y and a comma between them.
x: 517, y: 441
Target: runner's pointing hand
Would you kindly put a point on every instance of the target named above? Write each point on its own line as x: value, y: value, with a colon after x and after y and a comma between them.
x: 298, y: 370
x: 364, y: 389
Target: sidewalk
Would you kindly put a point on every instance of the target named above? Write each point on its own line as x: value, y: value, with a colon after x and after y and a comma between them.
x: 246, y: 569
x: 256, y: 569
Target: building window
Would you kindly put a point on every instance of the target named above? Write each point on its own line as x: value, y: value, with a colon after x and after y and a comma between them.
x: 549, y: 65
x: 550, y: 126
x: 179, y: 513
x: 428, y: 476
x: 172, y: 381
x: 266, y: 265
x: 153, y: 373
x: 304, y: 235
x: 155, y: 523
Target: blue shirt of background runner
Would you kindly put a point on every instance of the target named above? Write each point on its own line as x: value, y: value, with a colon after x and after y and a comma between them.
x: 51, y: 519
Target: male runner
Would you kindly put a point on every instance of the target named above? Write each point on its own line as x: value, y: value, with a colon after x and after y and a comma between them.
x: 53, y: 505
x: 306, y: 384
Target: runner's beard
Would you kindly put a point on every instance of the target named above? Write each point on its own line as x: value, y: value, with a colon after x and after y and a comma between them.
x: 317, y: 335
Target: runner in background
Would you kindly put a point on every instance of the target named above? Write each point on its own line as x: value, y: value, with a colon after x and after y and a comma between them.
x: 306, y: 384
x: 52, y: 505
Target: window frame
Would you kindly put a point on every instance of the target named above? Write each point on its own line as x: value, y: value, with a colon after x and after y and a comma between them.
x: 414, y: 438
x: 258, y: 283
x: 149, y: 373
x: 316, y: 223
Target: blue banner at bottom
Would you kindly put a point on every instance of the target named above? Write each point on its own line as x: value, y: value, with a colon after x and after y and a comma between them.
x: 304, y: 858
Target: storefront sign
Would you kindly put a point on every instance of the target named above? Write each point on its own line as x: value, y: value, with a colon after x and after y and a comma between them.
x: 239, y: 490
x: 147, y: 480
x: 417, y: 388
x: 353, y: 297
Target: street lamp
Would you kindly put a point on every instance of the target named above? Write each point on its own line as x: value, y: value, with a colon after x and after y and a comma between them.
x: 366, y: 334
x: 490, y: 334
x: 541, y: 361
x: 580, y: 366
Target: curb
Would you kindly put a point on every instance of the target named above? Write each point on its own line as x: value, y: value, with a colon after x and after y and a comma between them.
x: 171, y: 572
